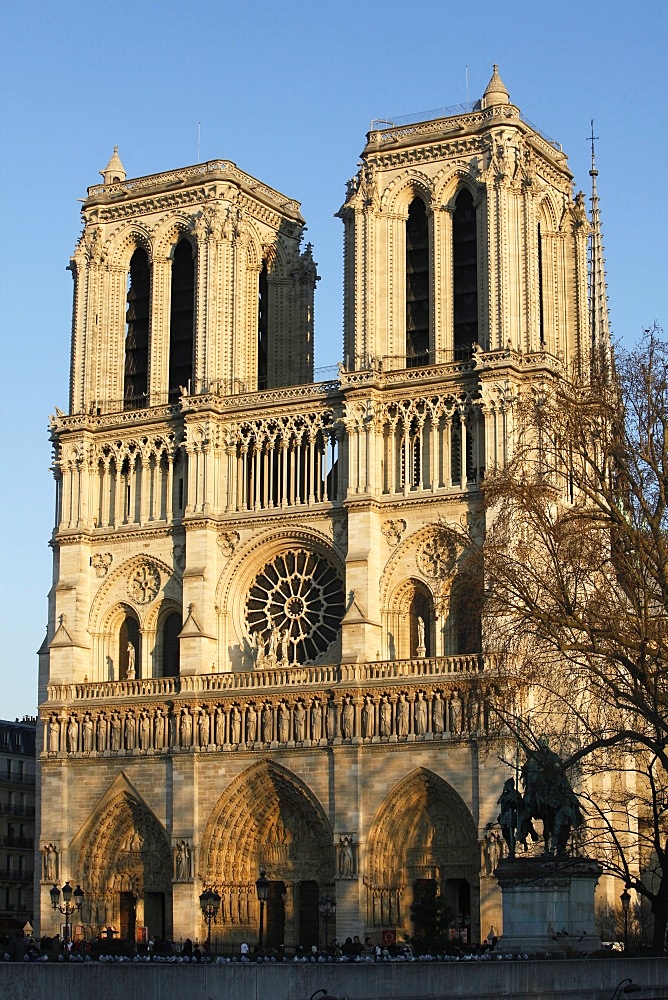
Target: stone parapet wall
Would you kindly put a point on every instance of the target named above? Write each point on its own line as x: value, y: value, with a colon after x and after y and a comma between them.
x: 577, y: 980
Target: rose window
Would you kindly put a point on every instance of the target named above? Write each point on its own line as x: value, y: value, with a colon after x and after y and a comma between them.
x: 299, y: 596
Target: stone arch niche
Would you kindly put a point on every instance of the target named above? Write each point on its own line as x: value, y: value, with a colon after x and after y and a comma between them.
x: 411, y: 602
x: 123, y: 864
x: 423, y: 841
x: 267, y: 820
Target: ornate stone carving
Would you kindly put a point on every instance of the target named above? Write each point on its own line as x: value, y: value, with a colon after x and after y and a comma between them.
x: 144, y: 584
x: 228, y: 541
x: 436, y: 558
x: 101, y: 562
x: 393, y: 530
x: 182, y: 862
x: 346, y: 857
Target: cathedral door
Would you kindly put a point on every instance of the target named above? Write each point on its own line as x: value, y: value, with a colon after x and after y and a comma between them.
x: 128, y: 916
x: 309, y: 915
x: 275, y: 915
x: 154, y: 913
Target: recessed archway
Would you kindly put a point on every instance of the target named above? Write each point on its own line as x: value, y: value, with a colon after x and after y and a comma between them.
x: 267, y: 819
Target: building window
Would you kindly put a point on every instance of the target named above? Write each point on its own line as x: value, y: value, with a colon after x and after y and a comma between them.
x: 136, y: 332
x: 465, y: 274
x: 170, y: 650
x: 182, y: 318
x: 262, y: 326
x: 417, y: 285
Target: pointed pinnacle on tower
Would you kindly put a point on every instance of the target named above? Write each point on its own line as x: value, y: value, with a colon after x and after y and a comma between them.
x: 114, y: 172
x: 495, y: 92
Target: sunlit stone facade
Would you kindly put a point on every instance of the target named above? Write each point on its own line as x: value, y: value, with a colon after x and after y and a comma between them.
x: 258, y: 655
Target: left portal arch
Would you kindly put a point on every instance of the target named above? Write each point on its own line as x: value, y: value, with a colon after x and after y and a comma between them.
x: 267, y: 819
x: 123, y: 864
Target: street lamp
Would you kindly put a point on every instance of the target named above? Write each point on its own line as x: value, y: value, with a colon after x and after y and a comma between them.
x: 626, y: 986
x: 72, y: 901
x: 327, y: 907
x: 262, y: 886
x: 625, y: 901
x: 210, y: 903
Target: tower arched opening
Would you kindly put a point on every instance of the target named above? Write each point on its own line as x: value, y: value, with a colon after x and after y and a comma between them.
x: 181, y: 318
x: 135, y: 385
x: 465, y: 274
x: 417, y: 285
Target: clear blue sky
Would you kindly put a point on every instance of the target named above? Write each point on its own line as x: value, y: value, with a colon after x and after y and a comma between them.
x: 286, y: 90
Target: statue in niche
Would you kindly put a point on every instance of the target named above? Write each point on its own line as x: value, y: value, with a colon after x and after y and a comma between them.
x: 283, y: 723
x: 437, y: 714
x: 186, y: 728
x: 420, y: 712
x: 54, y: 734
x: 204, y: 728
x: 159, y: 726
x: 267, y: 723
x: 385, y: 725
x: 251, y: 724
x: 101, y: 732
x: 420, y: 627
x: 402, y: 715
x: 73, y: 735
x: 144, y: 731
x: 235, y: 725
x: 300, y: 722
x: 330, y: 719
x: 88, y: 733
x: 51, y: 863
x: 115, y: 731
x: 130, y: 732
x: 347, y: 718
x: 183, y: 856
x: 220, y: 726
x: 346, y: 857
x: 316, y: 720
x: 367, y: 717
x: 455, y: 714
x: 131, y: 662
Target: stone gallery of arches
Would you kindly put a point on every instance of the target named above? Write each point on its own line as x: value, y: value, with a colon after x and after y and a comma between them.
x: 260, y: 656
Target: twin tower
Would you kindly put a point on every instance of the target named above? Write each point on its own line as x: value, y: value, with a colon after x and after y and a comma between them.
x: 257, y: 650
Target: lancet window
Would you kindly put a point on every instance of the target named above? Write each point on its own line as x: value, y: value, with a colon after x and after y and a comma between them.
x: 182, y: 316
x: 417, y: 285
x: 135, y: 386
x: 465, y: 274
x: 262, y: 325
x: 168, y: 650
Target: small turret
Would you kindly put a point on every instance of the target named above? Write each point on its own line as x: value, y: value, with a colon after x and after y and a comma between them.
x: 114, y: 172
x: 496, y: 92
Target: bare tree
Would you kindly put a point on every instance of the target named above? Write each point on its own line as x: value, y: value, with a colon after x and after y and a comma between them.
x: 575, y: 556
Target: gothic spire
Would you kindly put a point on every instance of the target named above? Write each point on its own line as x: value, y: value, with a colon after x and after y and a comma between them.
x: 599, y: 322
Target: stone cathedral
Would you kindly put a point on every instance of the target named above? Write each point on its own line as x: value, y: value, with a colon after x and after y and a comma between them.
x: 259, y: 655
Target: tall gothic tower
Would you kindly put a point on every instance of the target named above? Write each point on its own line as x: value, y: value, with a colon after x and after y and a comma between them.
x: 258, y: 654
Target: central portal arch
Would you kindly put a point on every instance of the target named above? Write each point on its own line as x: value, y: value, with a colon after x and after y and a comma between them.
x: 422, y: 843
x: 268, y: 819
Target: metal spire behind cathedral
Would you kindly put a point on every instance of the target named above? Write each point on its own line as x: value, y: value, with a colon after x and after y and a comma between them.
x: 599, y: 322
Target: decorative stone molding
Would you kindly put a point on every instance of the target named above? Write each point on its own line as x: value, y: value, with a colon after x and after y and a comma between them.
x: 144, y: 584
x: 228, y: 541
x: 393, y: 530
x: 101, y: 562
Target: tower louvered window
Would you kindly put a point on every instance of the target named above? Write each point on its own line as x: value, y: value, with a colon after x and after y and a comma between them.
x: 417, y: 285
x: 465, y: 274
x: 182, y: 316
x: 135, y: 386
x: 262, y: 326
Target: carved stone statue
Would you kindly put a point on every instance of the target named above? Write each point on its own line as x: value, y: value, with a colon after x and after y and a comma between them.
x: 50, y: 863
x: 72, y: 735
x: 159, y: 729
x: 54, y: 734
x: 204, y: 728
x: 283, y: 723
x: 316, y: 720
x: 420, y: 715
x: 131, y: 662
x: 346, y: 859
x: 88, y: 733
x: 402, y: 716
x: 235, y: 725
x: 182, y: 861
x: 420, y: 626
x: 367, y: 717
x: 299, y: 722
x: 385, y: 725
x: 347, y: 718
x: 267, y: 724
x: 437, y: 714
x: 251, y: 724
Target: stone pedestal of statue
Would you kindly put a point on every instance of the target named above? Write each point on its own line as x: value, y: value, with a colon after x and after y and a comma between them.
x: 548, y: 904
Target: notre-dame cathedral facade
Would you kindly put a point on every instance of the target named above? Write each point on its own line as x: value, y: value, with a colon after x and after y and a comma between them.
x: 259, y: 654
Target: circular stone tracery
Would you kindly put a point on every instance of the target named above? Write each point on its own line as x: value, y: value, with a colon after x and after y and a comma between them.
x: 301, y: 595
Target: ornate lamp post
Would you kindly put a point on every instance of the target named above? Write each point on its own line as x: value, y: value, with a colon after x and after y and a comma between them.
x: 72, y: 900
x: 625, y: 899
x: 262, y: 887
x: 210, y: 904
x: 327, y: 907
